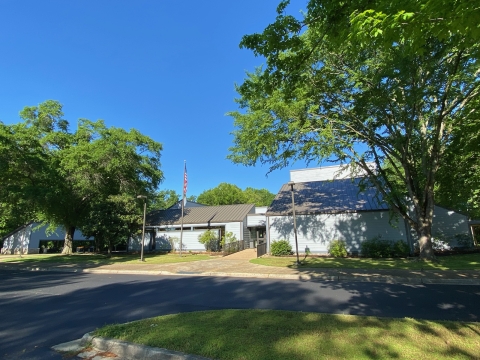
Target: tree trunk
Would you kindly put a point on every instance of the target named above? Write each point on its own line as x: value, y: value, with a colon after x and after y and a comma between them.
x: 109, y: 248
x: 68, y: 244
x: 424, y: 232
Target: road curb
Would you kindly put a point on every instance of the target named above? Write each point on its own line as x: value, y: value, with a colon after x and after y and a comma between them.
x: 388, y: 279
x: 132, y: 351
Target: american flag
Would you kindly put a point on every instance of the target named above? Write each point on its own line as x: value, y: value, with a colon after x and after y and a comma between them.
x: 185, y: 180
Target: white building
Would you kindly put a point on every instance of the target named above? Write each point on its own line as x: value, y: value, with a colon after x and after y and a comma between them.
x: 26, y: 239
x: 329, y: 206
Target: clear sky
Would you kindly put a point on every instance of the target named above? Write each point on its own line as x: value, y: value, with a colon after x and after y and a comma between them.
x: 164, y: 67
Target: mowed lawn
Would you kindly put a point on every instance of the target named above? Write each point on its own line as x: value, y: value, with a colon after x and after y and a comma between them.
x: 447, y: 262
x: 97, y: 260
x: 276, y: 335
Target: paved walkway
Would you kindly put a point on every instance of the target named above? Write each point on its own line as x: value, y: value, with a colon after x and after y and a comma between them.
x: 238, y: 265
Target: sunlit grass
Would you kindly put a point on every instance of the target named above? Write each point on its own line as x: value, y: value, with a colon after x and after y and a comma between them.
x: 268, y: 334
x: 450, y: 262
x: 96, y: 259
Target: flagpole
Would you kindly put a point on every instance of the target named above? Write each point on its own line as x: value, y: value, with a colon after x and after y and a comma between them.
x: 183, y: 202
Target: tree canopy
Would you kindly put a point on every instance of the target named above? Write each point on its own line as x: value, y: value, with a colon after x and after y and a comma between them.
x: 229, y: 194
x: 360, y: 82
x: 71, y: 175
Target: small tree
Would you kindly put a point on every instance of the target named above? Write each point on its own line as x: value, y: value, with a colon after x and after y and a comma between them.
x: 210, y: 240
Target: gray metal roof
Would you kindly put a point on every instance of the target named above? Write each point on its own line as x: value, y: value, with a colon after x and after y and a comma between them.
x: 200, y: 215
x: 335, y: 196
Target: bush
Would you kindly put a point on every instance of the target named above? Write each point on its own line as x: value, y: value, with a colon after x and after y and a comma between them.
x: 281, y: 248
x: 337, y: 248
x: 210, y: 240
x: 228, y: 238
x: 400, y: 249
x: 378, y: 248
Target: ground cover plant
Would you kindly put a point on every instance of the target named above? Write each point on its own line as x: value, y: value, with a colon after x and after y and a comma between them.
x: 269, y: 334
x: 96, y: 259
x: 450, y: 262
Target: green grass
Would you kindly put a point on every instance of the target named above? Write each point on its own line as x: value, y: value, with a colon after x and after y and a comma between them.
x: 276, y: 335
x: 97, y: 260
x: 450, y: 262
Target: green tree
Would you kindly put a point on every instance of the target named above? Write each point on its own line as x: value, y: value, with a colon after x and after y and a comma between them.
x: 83, y: 169
x: 259, y: 197
x: 163, y: 199
x: 22, y: 160
x: 229, y: 194
x: 112, y: 221
x: 338, y: 86
x: 458, y: 185
x: 223, y: 194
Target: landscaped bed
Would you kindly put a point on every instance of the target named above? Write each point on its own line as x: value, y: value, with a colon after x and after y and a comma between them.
x: 268, y: 334
x: 96, y: 259
x: 448, y: 262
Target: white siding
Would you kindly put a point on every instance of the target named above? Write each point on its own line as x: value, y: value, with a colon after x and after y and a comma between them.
x: 316, y: 231
x: 27, y: 240
x: 449, y: 223
x: 261, y: 209
x: 18, y: 242
x: 235, y: 228
x: 324, y: 173
x: 256, y: 220
x: 162, y: 240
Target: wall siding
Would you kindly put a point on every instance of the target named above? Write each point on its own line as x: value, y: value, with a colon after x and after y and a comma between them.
x: 256, y: 220
x: 27, y: 240
x: 316, y: 231
x: 246, y: 234
x: 235, y: 228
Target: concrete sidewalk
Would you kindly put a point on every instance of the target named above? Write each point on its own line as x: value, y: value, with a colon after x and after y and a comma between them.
x: 238, y: 265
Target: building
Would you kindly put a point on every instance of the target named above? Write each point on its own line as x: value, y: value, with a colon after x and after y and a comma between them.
x: 29, y: 238
x: 330, y: 206
x: 163, y: 227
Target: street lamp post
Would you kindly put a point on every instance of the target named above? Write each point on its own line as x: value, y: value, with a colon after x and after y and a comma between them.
x: 291, y: 183
x: 143, y: 229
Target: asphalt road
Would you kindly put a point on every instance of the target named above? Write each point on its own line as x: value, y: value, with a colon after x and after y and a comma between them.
x: 42, y: 309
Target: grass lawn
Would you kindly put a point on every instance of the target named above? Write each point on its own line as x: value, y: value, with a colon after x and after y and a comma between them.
x: 450, y: 262
x: 94, y: 259
x: 268, y: 334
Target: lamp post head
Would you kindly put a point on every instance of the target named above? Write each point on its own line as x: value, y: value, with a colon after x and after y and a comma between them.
x: 141, y: 197
x: 291, y: 183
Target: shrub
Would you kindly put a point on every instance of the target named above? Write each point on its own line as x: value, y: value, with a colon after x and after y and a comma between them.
x: 281, y: 248
x: 228, y: 238
x: 400, y: 249
x: 337, y: 248
x: 376, y: 248
x: 210, y: 240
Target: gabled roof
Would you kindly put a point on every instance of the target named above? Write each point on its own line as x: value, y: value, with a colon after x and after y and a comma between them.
x: 335, y: 196
x: 200, y: 215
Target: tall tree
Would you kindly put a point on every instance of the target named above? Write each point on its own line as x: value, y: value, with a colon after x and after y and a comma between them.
x: 84, y: 168
x: 259, y: 197
x: 112, y: 221
x: 229, y: 194
x: 223, y: 194
x: 338, y: 86
x: 163, y: 199
x: 22, y: 160
x: 458, y: 185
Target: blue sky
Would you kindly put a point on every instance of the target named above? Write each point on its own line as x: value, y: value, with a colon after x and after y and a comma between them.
x: 166, y: 68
